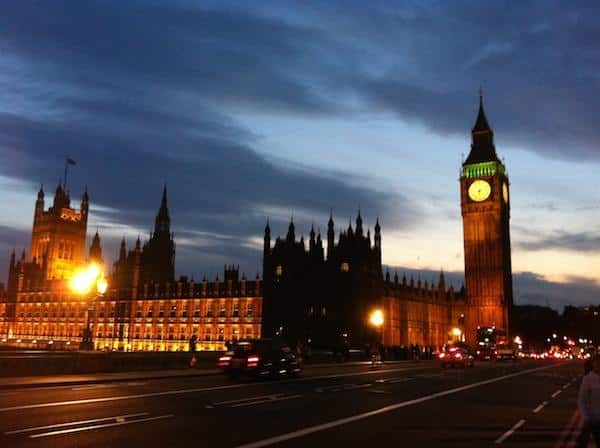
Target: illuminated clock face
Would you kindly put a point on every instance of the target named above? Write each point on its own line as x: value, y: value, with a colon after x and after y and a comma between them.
x: 479, y: 190
x: 505, y: 192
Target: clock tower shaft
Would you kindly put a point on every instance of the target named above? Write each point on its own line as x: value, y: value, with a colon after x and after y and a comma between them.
x: 485, y: 210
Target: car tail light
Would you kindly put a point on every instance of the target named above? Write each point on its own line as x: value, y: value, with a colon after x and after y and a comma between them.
x: 253, y: 361
x: 458, y: 355
x: 442, y: 355
x: 224, y: 361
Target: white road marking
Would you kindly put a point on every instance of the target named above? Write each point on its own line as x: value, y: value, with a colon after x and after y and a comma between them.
x: 81, y: 422
x: 508, y: 433
x: 190, y: 391
x: 269, y: 400
x: 241, y: 400
x: 342, y: 387
x: 566, y: 385
x: 540, y: 407
x: 394, y: 380
x: 555, y: 394
x: 105, y: 425
x: 344, y: 421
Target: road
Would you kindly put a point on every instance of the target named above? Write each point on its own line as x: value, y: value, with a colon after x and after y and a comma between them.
x: 529, y: 404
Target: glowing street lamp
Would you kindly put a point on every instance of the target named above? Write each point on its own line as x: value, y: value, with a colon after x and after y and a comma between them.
x: 376, y: 318
x: 83, y: 283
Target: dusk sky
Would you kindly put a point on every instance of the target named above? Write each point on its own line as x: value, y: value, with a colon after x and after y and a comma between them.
x: 254, y: 109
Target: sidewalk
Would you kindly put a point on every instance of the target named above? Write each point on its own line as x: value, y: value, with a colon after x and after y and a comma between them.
x: 95, y: 378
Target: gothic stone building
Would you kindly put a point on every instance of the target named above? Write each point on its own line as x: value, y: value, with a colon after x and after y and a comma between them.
x: 145, y: 308
x: 311, y: 290
x: 328, y: 298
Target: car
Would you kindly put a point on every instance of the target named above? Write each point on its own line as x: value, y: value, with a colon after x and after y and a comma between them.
x: 505, y: 352
x: 456, y: 357
x: 485, y: 354
x: 259, y: 358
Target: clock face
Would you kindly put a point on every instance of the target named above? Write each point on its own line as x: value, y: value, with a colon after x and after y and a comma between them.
x: 505, y: 192
x: 479, y: 190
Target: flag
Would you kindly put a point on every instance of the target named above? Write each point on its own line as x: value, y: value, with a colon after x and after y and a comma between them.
x: 70, y: 161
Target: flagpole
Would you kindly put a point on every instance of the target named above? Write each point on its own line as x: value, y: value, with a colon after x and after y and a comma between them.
x: 65, y: 178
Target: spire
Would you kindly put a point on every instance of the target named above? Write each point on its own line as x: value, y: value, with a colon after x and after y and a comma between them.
x: 41, y: 193
x: 85, y: 196
x: 163, y: 221
x: 482, y: 146
x: 481, y: 124
x: 96, y: 249
x: 359, y: 224
x: 267, y: 239
x: 123, y: 250
x: 291, y: 235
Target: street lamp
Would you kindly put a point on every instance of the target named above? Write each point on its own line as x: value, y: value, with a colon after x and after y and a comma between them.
x: 85, y: 281
x: 376, y: 319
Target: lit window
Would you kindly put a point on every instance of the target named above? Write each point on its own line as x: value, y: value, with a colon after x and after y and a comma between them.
x: 279, y: 271
x: 345, y: 267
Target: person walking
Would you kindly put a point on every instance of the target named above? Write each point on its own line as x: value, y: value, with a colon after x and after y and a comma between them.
x: 193, y: 341
x: 589, y: 405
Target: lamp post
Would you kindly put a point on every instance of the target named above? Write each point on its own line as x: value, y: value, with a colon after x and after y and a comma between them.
x: 376, y: 319
x: 89, y: 280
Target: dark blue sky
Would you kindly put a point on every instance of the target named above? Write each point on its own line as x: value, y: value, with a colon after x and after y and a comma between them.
x: 255, y: 109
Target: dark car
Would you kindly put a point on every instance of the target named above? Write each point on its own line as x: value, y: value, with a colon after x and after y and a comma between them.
x: 486, y: 354
x: 260, y: 358
x: 456, y: 357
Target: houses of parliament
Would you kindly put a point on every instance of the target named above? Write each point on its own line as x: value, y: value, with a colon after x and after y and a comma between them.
x: 320, y: 291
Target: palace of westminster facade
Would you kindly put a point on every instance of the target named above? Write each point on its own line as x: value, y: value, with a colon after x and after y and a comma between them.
x: 322, y: 293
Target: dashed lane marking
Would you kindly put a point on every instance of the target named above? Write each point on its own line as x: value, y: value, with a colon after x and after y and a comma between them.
x: 357, y: 417
x: 555, y: 394
x: 105, y: 425
x: 193, y: 390
x: 81, y: 422
x: 510, y: 432
x: 540, y: 407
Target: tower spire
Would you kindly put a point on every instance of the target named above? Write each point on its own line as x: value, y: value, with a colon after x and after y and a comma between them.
x: 482, y: 145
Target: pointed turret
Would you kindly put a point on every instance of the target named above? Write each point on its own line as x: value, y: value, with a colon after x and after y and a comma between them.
x: 85, y: 202
x: 330, y: 235
x: 377, y: 234
x: 442, y: 281
x: 482, y: 146
x: 359, y: 224
x: 162, y: 224
x: 267, y: 239
x: 61, y: 199
x: 96, y: 250
x: 123, y: 250
x: 291, y: 235
x: 39, y: 204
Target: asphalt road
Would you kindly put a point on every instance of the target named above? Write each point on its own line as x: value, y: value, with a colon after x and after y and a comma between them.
x: 529, y: 404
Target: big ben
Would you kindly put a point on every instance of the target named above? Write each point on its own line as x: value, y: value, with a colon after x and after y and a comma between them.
x: 485, y: 205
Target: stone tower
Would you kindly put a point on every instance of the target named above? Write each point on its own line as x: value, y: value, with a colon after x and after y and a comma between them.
x: 485, y: 205
x: 58, y: 238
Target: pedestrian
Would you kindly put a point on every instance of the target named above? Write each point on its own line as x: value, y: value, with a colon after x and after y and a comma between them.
x: 589, y: 405
x: 193, y: 341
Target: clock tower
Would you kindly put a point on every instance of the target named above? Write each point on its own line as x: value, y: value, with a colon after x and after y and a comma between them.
x: 485, y: 206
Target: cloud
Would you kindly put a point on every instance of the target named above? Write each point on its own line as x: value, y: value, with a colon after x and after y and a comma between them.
x: 563, y: 240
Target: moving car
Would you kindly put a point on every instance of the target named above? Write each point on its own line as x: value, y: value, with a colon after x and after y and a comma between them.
x: 504, y: 351
x: 456, y: 357
x: 260, y: 358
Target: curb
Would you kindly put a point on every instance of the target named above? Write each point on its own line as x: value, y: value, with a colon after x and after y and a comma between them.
x: 104, y: 380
